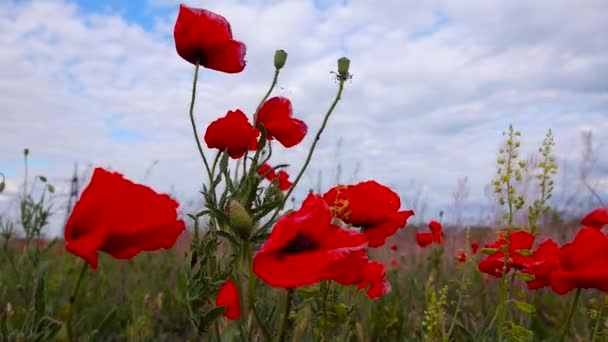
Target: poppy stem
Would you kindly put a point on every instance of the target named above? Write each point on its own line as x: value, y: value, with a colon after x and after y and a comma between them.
x: 314, y: 143
x: 570, y: 314
x: 251, y: 293
x: 72, y: 300
x: 285, y: 320
x: 598, y: 320
x: 194, y: 129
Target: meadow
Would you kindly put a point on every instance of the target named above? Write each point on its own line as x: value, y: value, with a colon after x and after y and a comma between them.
x: 343, y: 264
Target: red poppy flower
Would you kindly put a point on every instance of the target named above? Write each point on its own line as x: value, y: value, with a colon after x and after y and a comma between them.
x: 283, y: 179
x: 437, y: 237
x: 519, y: 240
x: 233, y: 133
x: 357, y: 269
x: 303, y: 246
x: 265, y: 170
x: 583, y: 263
x: 435, y: 226
x: 276, y: 116
x: 228, y: 296
x: 394, y: 247
x: 424, y: 239
x: 371, y: 206
x: 596, y: 219
x: 121, y: 218
x: 203, y: 36
x: 394, y: 263
x: 474, y: 247
x: 461, y: 257
x: 544, y: 261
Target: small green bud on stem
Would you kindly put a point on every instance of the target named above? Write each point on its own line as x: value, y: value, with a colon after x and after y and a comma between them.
x: 280, y: 57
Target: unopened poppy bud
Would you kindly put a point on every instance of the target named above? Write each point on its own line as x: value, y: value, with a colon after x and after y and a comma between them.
x: 489, y: 250
x: 280, y: 57
x: 2, y: 186
x: 26, y: 151
x: 240, y: 220
x: 343, y: 66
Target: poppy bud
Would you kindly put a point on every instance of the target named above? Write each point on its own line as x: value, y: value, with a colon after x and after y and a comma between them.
x: 2, y: 185
x: 280, y: 57
x: 343, y: 66
x: 240, y: 220
x: 26, y: 151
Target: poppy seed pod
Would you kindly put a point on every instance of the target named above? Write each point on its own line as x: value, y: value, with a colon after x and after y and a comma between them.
x: 280, y: 57
x: 240, y: 220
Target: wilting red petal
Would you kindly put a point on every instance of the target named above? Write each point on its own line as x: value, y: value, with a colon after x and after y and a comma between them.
x: 233, y: 133
x: 474, y: 247
x: 121, y: 218
x: 283, y: 178
x: 435, y: 226
x: 303, y: 246
x: 276, y: 116
x: 583, y: 263
x: 207, y: 37
x: 424, y: 239
x: 228, y: 296
x: 371, y: 206
x: 596, y: 219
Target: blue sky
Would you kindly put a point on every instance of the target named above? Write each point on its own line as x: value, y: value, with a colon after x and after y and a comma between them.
x: 435, y: 83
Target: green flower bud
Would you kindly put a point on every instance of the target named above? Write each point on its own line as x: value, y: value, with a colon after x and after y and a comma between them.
x: 2, y: 186
x: 26, y: 151
x: 343, y: 66
x: 280, y: 57
x: 240, y: 220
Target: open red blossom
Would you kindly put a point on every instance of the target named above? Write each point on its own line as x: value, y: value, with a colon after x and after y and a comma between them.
x: 424, y: 239
x: 232, y: 133
x: 357, y: 269
x: 583, y: 263
x: 519, y: 240
x: 596, y: 219
x: 203, y: 36
x: 371, y: 206
x: 461, y: 257
x: 304, y: 245
x: 228, y: 296
x: 544, y: 261
x: 121, y: 218
x: 276, y: 116
x: 474, y: 247
x: 435, y: 226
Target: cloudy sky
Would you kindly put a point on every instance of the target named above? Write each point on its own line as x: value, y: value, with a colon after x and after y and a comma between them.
x: 435, y: 83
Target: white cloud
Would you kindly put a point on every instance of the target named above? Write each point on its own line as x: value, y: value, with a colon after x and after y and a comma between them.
x: 434, y: 85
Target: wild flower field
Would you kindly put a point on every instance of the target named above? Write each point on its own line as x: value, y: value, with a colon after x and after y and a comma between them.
x: 342, y: 265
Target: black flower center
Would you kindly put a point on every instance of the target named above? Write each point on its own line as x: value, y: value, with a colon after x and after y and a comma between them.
x: 299, y: 244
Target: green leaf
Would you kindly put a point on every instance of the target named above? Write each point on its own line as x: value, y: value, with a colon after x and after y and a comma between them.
x: 524, y: 252
x: 489, y: 250
x: 524, y: 307
x: 104, y: 325
x: 51, y: 188
x: 39, y: 299
x: 526, y: 276
x: 46, y: 329
x: 213, y: 314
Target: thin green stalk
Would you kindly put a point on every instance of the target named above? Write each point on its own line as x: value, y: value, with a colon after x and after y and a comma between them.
x: 72, y: 300
x: 285, y: 319
x: 458, y: 303
x: 251, y: 294
x: 570, y: 314
x: 598, y: 320
x: 325, y: 284
x: 194, y: 129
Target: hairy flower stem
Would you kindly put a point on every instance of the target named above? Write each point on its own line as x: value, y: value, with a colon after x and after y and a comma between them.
x: 251, y: 292
x: 285, y: 319
x: 72, y: 300
x: 598, y: 320
x: 194, y: 129
x: 570, y: 314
